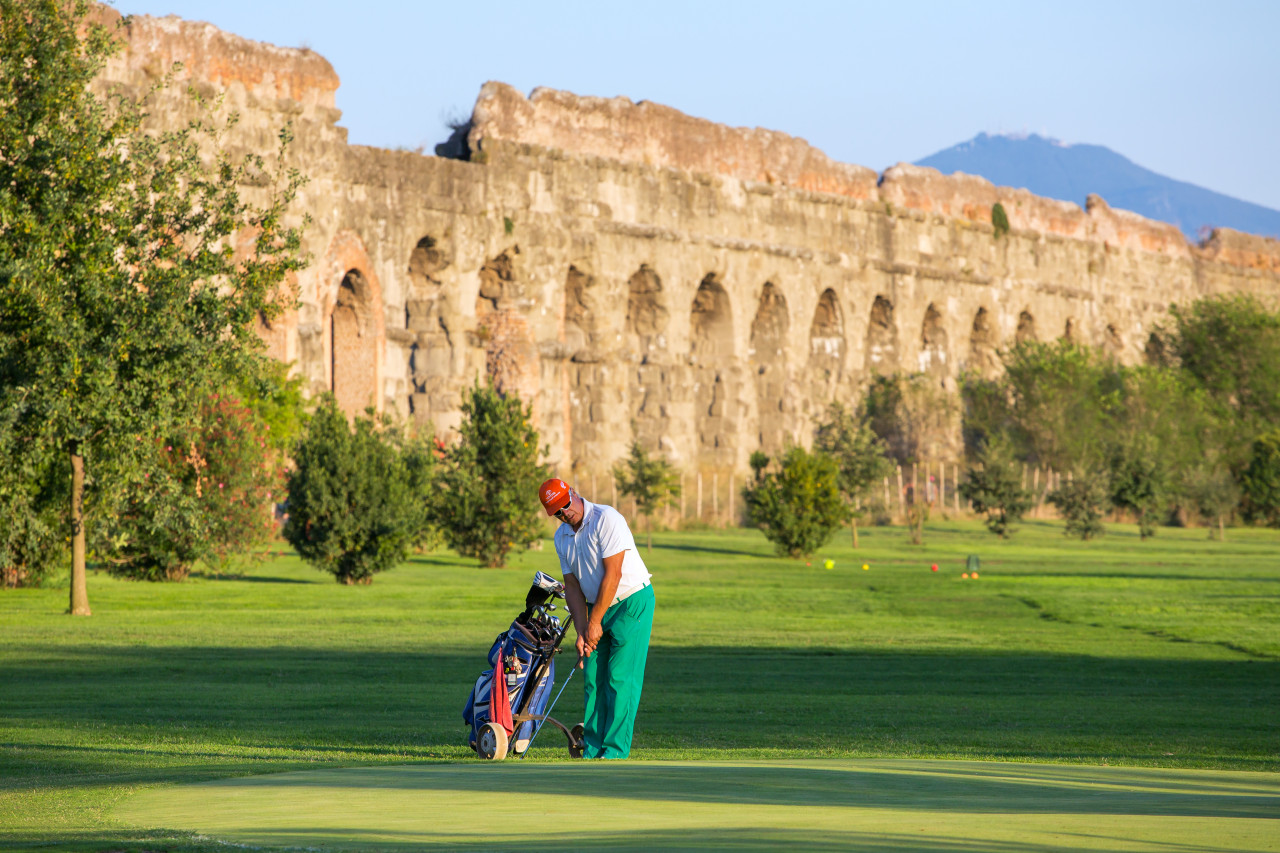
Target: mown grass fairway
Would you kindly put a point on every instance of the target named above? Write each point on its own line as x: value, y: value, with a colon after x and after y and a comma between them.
x: 833, y: 804
x: 1138, y: 661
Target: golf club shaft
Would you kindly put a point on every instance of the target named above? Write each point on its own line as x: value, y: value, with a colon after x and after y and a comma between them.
x: 543, y: 721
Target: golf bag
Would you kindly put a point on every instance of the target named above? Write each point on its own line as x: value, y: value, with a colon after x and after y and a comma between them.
x: 528, y: 648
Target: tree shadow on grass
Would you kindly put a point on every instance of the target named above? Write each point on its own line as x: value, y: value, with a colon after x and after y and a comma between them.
x: 979, y: 787
x: 537, y: 838
x: 1141, y: 576
x: 705, y: 549
x: 245, y: 578
x: 290, y: 702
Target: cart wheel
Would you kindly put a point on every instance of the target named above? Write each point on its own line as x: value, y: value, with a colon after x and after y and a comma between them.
x: 575, y: 742
x: 491, y: 745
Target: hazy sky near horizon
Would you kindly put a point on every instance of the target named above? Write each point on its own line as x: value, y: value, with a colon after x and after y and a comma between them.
x: 1187, y: 89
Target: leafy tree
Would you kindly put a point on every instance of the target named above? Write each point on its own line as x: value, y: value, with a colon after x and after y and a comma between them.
x: 987, y: 413
x: 651, y: 481
x: 859, y: 455
x: 275, y: 398
x: 1231, y: 345
x: 994, y: 487
x: 1082, y: 501
x: 122, y: 295
x: 355, y: 508
x: 883, y: 411
x: 1138, y: 485
x: 909, y: 413
x: 799, y: 506
x: 487, y: 495
x: 33, y: 502
x: 1063, y: 398
x: 1214, y: 493
x: 1260, y: 481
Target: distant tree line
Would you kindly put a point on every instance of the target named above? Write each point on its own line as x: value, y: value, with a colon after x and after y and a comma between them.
x: 1192, y: 436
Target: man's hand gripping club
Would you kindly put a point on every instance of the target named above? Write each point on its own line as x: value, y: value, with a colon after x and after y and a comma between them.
x: 592, y: 616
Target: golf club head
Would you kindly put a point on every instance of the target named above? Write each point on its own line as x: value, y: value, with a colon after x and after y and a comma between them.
x: 543, y: 590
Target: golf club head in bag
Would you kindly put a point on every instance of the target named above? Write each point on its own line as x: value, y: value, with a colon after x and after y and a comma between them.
x: 543, y: 590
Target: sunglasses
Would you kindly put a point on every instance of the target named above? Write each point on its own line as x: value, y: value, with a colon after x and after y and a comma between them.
x: 562, y: 510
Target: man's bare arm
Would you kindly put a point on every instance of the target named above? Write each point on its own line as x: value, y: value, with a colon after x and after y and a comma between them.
x: 608, y: 589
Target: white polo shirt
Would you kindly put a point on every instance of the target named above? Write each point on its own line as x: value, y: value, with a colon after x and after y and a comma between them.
x: 604, y: 532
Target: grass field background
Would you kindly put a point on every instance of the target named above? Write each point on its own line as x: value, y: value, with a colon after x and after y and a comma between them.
x: 1162, y: 655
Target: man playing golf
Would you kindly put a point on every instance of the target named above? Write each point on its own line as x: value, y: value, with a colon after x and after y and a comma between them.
x: 611, y: 602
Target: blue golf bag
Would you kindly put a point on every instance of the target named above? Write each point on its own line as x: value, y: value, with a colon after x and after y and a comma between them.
x: 528, y: 650
x: 529, y: 670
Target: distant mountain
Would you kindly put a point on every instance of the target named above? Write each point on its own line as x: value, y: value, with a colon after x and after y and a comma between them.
x: 1070, y: 172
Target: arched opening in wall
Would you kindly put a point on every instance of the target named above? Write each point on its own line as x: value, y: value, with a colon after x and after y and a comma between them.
x: 1069, y: 332
x: 882, y: 339
x: 511, y: 359
x: 984, y: 356
x: 768, y: 359
x: 352, y: 347
x: 826, y: 349
x: 933, y: 345
x: 647, y: 314
x: 1154, y: 352
x: 430, y: 356
x: 569, y: 387
x: 1026, y: 328
x: 579, y: 319
x: 652, y: 375
x: 711, y: 322
x: 711, y: 357
x: 1113, y: 343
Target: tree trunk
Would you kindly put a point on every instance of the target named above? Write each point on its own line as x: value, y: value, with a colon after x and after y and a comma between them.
x: 1222, y: 529
x: 79, y: 585
x: 853, y: 522
x: 648, y: 529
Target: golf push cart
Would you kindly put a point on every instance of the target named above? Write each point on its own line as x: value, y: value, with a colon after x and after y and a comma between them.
x: 523, y: 657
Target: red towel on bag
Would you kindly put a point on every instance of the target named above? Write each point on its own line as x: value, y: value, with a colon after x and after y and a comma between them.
x: 499, y: 701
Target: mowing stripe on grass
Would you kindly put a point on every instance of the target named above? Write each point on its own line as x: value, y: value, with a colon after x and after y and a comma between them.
x: 809, y: 804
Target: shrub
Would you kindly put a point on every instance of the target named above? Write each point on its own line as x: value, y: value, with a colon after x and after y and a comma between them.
x: 1213, y: 492
x: 994, y: 487
x: 355, y: 505
x: 1082, y: 501
x: 487, y: 497
x: 208, y: 496
x: 1138, y: 485
x: 999, y: 220
x: 799, y: 506
x: 650, y: 480
x: 859, y: 455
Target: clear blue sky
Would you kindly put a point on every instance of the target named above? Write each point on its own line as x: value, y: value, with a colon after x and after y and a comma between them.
x: 1188, y: 89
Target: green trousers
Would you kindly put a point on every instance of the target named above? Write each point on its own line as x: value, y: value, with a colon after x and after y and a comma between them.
x: 615, y: 676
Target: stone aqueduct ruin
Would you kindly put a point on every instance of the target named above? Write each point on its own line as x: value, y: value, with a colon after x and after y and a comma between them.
x: 632, y: 271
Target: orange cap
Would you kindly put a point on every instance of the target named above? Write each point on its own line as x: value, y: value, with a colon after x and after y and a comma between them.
x: 554, y: 494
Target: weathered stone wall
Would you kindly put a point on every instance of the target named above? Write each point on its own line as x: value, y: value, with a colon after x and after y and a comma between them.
x: 632, y: 271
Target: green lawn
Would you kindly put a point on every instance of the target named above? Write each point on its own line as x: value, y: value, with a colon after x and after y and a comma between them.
x: 1130, y: 654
